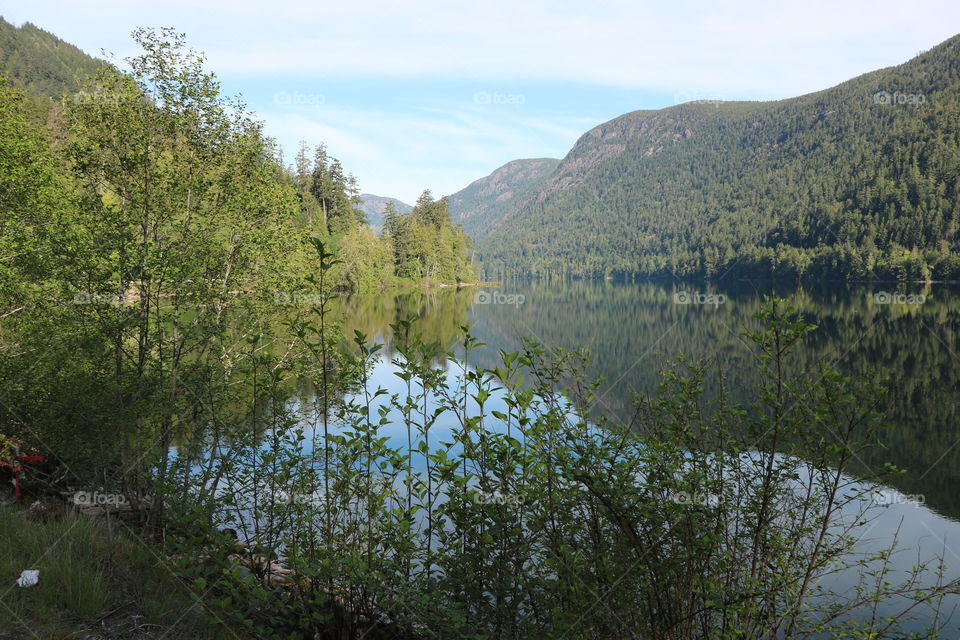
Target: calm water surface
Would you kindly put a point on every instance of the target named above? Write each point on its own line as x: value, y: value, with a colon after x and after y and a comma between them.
x: 908, y: 336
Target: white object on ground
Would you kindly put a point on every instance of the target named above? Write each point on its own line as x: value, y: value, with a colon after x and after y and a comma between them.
x: 29, y: 578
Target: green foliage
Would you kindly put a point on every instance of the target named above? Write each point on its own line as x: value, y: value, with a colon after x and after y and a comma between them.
x: 140, y: 241
x: 329, y: 198
x: 125, y: 247
x: 179, y: 206
x: 422, y: 246
x: 367, y: 260
x: 426, y: 245
x: 32, y: 200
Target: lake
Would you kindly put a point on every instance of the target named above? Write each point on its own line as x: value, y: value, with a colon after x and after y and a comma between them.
x: 906, y: 335
x: 633, y: 331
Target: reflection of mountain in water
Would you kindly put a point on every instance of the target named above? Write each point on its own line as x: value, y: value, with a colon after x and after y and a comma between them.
x: 633, y: 331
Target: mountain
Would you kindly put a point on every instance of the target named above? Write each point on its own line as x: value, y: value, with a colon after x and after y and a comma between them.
x: 485, y: 201
x: 856, y: 181
x: 42, y: 63
x: 373, y: 206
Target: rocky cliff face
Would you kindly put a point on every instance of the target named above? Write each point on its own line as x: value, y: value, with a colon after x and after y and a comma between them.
x: 482, y: 203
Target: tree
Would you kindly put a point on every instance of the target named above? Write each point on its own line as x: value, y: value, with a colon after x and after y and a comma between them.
x: 312, y: 216
x: 33, y: 204
x: 182, y: 205
x: 337, y: 194
x: 426, y: 244
x: 367, y: 260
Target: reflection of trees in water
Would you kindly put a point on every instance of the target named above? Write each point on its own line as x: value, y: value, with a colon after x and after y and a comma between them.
x: 440, y: 313
x: 633, y: 331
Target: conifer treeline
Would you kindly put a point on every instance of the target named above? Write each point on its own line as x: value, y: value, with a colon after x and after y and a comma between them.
x: 421, y: 246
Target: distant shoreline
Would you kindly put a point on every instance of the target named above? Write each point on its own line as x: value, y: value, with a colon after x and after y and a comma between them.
x: 426, y: 285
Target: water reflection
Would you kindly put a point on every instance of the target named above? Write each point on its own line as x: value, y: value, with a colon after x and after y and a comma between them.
x: 908, y: 337
x: 634, y: 330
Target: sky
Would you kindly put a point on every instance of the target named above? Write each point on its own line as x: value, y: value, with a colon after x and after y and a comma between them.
x: 423, y: 94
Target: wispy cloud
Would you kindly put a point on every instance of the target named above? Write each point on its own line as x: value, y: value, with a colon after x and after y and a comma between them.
x: 401, y: 153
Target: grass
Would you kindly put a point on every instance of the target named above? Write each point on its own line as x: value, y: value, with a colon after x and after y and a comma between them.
x: 96, y: 581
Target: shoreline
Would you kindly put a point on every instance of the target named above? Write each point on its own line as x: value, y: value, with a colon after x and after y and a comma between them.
x: 424, y: 285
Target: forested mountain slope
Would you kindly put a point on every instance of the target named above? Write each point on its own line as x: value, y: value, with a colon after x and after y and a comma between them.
x: 39, y: 61
x: 856, y: 181
x: 485, y: 201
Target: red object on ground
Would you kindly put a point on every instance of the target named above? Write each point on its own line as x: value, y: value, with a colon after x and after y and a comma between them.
x: 17, y: 468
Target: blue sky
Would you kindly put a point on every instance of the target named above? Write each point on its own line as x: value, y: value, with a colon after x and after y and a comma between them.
x: 431, y: 94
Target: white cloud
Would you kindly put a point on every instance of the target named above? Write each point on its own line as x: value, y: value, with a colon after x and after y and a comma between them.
x: 400, y: 154
x: 775, y: 47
